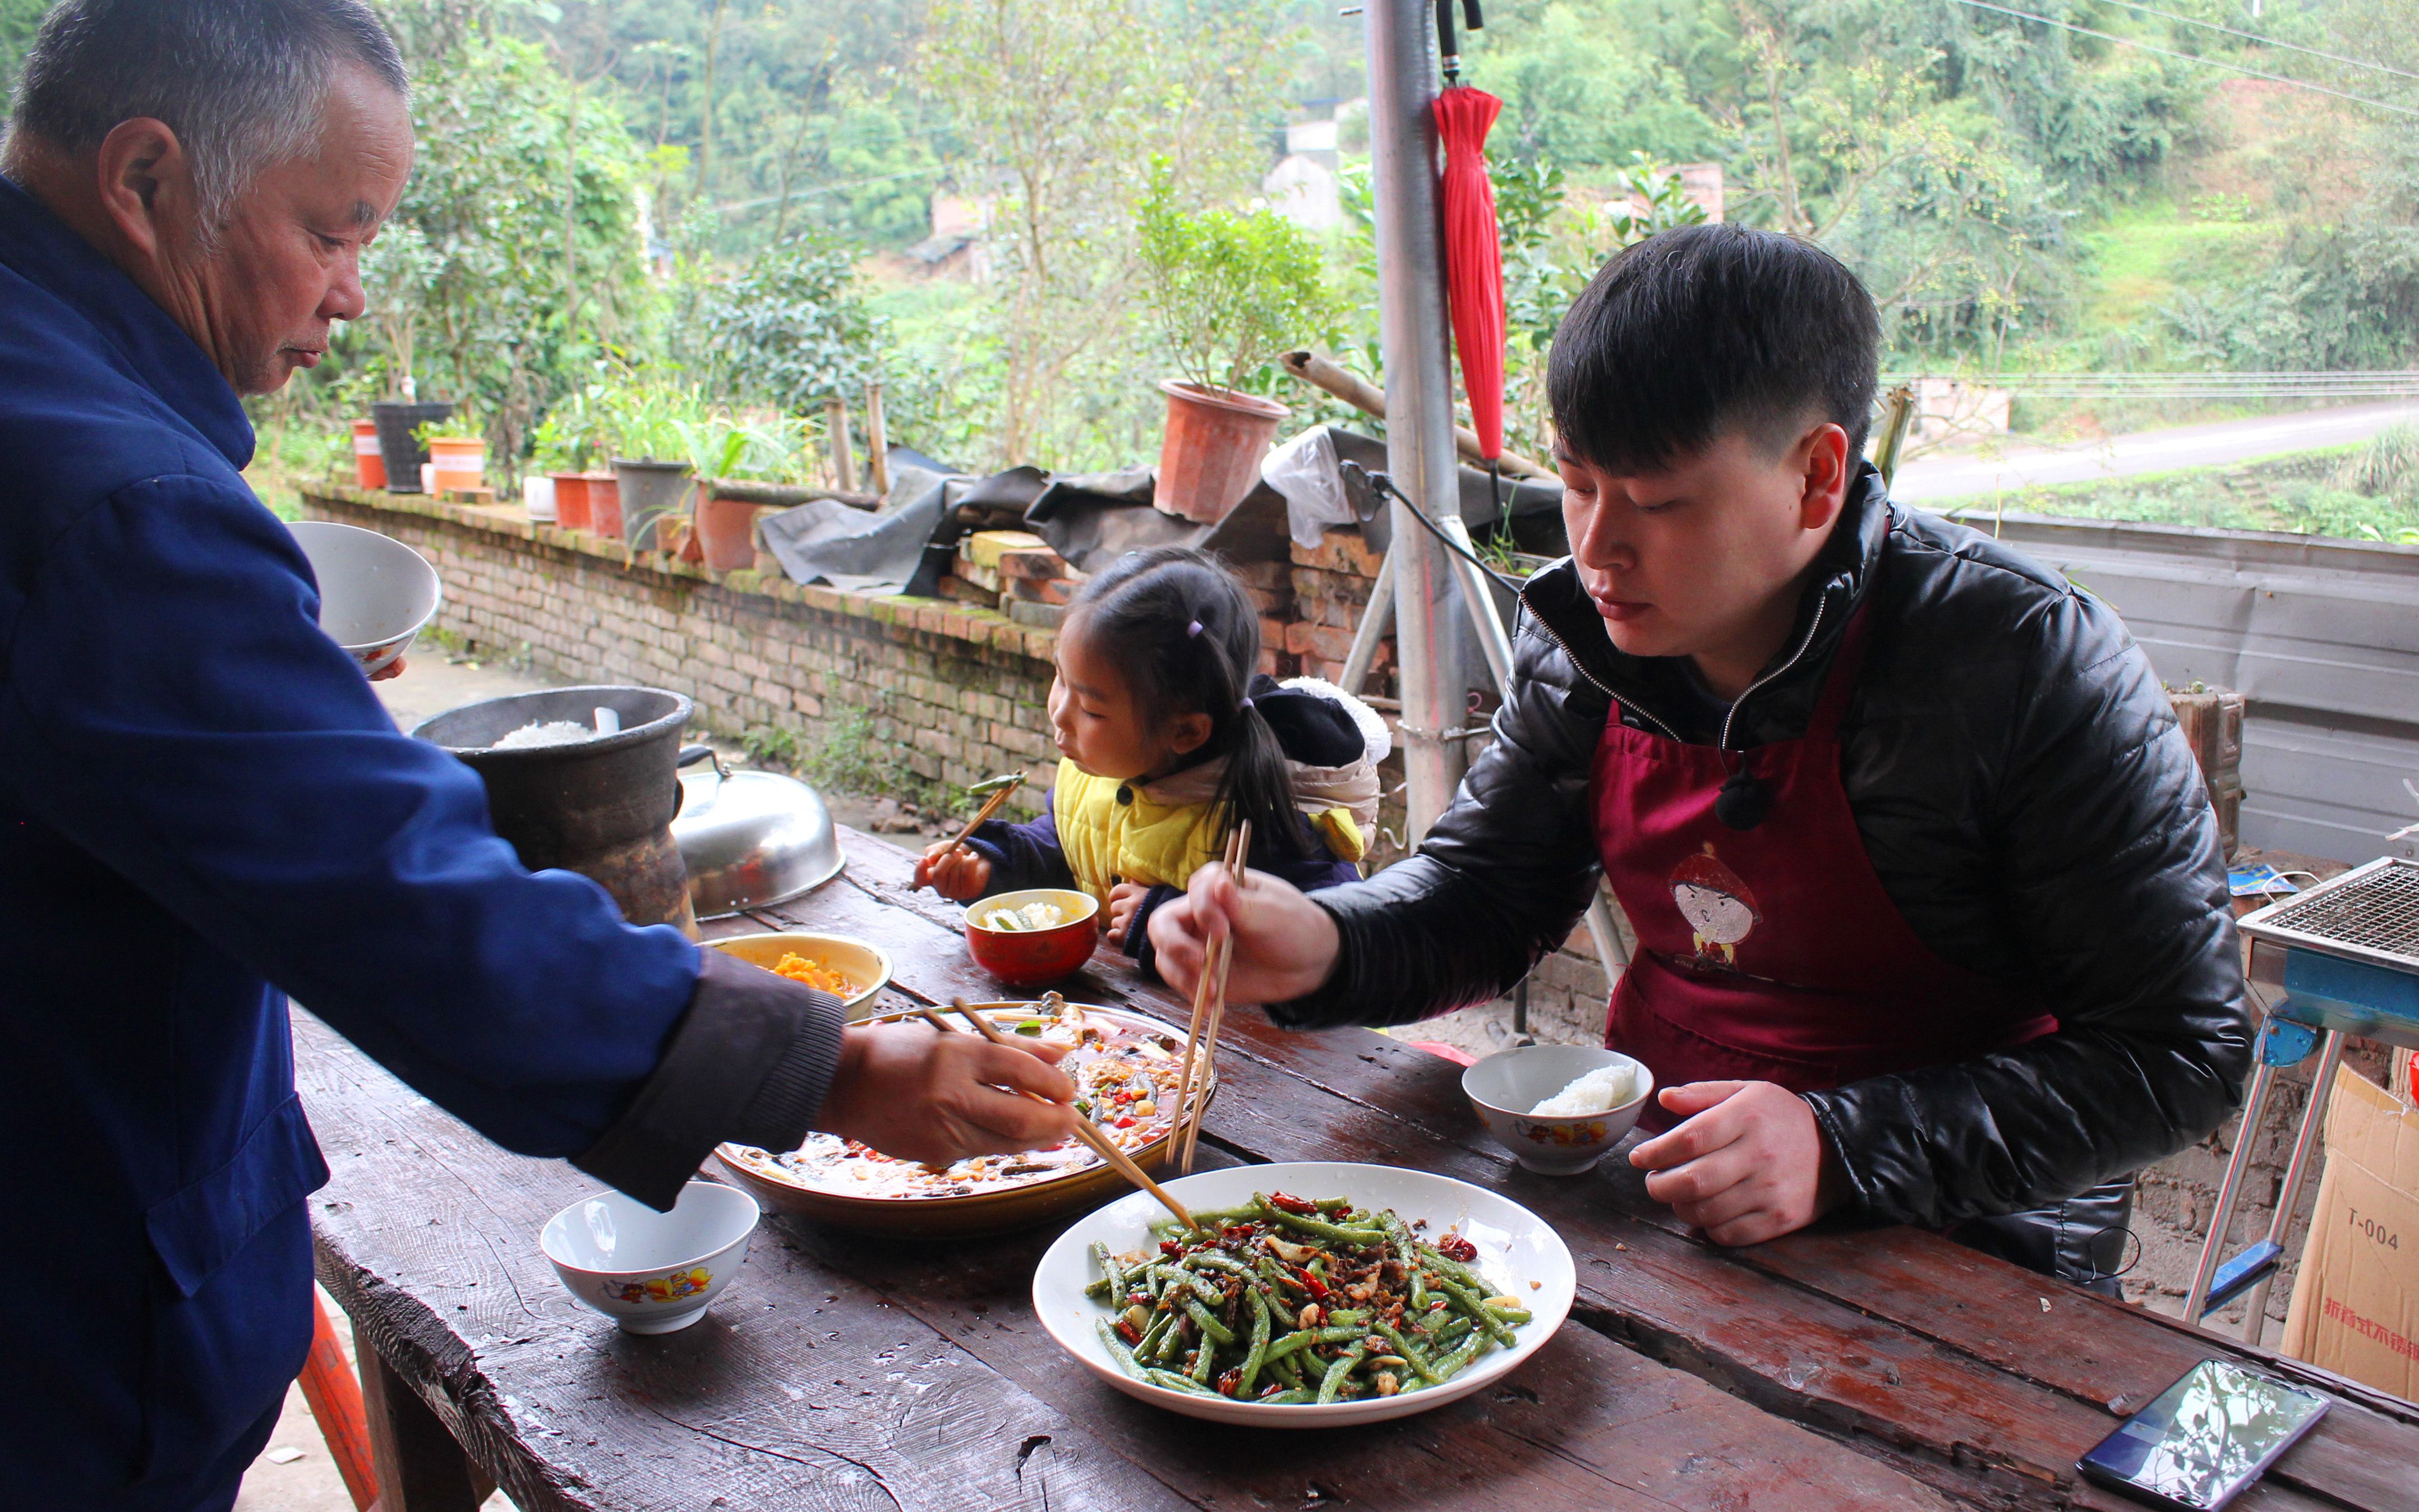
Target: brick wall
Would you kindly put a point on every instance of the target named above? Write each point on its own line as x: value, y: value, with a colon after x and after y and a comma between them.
x: 958, y: 692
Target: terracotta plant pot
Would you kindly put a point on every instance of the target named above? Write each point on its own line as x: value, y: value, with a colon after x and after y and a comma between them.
x: 726, y: 531
x: 1210, y: 456
x: 461, y: 462
x: 403, y: 453
x: 605, y: 504
x: 369, y: 463
x: 570, y: 499
x: 649, y: 490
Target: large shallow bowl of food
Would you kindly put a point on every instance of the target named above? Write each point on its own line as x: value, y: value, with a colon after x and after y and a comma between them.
x: 1034, y: 937
x: 1344, y: 1293
x: 852, y: 970
x: 1124, y: 1066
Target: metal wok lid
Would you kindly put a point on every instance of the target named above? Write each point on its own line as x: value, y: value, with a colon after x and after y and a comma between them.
x: 750, y: 839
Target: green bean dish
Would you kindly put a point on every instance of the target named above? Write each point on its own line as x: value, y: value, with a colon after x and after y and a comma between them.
x: 1289, y: 1302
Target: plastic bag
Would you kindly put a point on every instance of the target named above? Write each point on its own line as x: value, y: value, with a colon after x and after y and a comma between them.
x: 1304, y: 471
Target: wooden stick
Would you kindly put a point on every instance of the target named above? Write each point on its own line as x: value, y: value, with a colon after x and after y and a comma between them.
x: 991, y: 807
x: 1362, y: 396
x: 877, y: 440
x: 1213, y: 977
x: 1102, y: 1145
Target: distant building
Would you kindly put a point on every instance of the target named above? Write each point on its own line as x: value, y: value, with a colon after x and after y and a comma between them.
x: 955, y: 249
x: 1316, y: 141
x: 1303, y: 190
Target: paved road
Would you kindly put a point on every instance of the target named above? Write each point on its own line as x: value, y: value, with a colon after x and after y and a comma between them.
x: 1965, y: 474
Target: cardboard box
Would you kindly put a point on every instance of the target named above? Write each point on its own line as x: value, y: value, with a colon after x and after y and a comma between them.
x: 2356, y: 1302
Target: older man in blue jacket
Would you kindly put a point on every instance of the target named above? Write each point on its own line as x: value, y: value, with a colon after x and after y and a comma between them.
x: 203, y: 806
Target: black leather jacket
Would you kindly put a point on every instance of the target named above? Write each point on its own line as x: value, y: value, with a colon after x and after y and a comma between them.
x: 2021, y: 789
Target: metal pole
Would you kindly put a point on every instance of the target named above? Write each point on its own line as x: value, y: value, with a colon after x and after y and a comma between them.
x: 1419, y: 389
x: 2228, y: 1188
x: 2314, y: 1115
x: 1375, y: 621
x: 1498, y: 644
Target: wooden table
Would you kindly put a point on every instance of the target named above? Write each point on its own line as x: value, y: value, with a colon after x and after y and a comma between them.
x: 1872, y: 1370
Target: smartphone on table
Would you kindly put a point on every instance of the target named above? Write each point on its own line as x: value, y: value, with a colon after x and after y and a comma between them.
x: 2201, y: 1440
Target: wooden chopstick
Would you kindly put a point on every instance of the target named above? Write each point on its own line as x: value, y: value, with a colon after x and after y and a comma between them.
x: 991, y: 807
x: 1101, y: 1144
x: 1213, y: 973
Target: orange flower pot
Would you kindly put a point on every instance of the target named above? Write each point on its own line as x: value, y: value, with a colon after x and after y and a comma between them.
x: 1210, y: 457
x: 369, y: 463
x: 725, y: 532
x: 605, y: 504
x: 461, y: 462
x: 570, y: 499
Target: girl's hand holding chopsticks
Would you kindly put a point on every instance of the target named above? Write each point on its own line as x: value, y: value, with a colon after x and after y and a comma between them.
x: 954, y: 871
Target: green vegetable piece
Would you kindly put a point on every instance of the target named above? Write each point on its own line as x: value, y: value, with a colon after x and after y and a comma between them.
x: 1204, y: 1362
x: 1333, y: 1382
x: 1411, y: 1353
x: 1117, y: 1349
x: 1260, y: 1352
x: 1210, y: 1326
x: 1173, y: 1381
x: 1295, y: 1397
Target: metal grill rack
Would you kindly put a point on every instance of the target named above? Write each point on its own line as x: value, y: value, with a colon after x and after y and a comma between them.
x: 2341, y: 959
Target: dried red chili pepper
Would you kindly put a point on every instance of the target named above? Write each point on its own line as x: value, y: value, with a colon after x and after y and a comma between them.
x: 1455, y: 1248
x: 1227, y: 1382
x: 1296, y: 1206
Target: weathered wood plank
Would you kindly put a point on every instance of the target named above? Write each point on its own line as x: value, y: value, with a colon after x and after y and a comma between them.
x: 1926, y: 1401
x: 800, y: 1390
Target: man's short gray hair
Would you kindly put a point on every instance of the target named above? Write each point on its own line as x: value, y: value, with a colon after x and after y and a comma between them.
x: 242, y: 83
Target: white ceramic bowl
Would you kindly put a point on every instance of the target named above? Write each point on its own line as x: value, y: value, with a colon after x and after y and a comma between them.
x: 1506, y: 1085
x: 376, y: 594
x: 651, y: 1271
x: 1517, y: 1250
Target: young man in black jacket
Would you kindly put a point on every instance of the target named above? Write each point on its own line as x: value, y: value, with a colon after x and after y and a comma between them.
x: 1932, y: 923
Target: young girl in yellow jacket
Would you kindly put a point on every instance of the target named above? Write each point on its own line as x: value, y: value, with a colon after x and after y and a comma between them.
x: 1166, y: 732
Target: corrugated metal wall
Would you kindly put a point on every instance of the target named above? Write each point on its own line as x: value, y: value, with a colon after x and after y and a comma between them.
x: 2320, y: 635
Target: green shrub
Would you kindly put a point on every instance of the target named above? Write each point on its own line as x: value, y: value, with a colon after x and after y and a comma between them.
x: 1230, y: 291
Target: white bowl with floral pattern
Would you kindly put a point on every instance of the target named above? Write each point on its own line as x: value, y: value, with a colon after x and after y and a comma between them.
x: 1506, y: 1085
x: 651, y: 1272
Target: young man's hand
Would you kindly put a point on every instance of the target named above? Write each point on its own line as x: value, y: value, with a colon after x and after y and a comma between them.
x: 916, y: 1094
x: 1285, y: 944
x: 953, y: 871
x: 1747, y: 1165
x: 1123, y: 900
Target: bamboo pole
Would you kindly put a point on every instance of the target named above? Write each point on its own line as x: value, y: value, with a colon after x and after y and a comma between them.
x: 877, y: 441
x: 836, y: 433
x: 1362, y: 396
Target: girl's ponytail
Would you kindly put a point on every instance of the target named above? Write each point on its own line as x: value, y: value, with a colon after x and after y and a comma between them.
x: 1187, y: 637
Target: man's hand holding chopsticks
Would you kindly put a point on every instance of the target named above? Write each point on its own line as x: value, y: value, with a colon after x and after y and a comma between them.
x: 916, y: 1094
x: 1285, y: 944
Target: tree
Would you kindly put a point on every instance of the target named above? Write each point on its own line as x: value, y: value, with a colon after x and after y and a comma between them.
x: 794, y: 330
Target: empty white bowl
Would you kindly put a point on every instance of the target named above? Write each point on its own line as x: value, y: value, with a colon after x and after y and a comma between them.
x: 1506, y: 1085
x: 376, y: 594
x: 651, y: 1271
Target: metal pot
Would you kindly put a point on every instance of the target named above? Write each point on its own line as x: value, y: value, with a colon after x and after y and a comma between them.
x: 750, y: 839
x: 601, y: 807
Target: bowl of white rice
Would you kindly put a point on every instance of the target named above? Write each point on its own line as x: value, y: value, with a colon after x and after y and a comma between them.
x: 1559, y: 1108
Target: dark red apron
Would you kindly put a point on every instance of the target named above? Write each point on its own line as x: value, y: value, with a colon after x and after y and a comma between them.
x: 1772, y: 953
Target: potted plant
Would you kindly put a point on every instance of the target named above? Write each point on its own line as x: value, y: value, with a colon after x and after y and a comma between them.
x: 651, y: 466
x: 457, y: 453
x: 731, y: 449
x: 400, y: 423
x: 567, y: 447
x: 1229, y: 292
x: 400, y: 267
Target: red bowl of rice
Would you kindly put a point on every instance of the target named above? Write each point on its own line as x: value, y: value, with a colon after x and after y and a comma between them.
x: 1010, y: 934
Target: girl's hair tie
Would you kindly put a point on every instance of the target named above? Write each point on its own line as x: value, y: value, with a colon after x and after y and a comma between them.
x: 1245, y: 704
x: 1194, y: 628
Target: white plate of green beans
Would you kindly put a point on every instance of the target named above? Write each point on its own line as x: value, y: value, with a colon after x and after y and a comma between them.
x: 1315, y: 1293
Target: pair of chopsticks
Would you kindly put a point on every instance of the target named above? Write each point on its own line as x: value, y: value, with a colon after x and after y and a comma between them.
x: 1102, y: 1145
x: 991, y: 807
x: 1208, y: 1016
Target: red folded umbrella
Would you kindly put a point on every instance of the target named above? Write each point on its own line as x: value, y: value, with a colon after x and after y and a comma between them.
x: 1474, y: 257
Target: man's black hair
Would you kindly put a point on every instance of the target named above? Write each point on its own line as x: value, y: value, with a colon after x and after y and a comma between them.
x: 1701, y: 331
